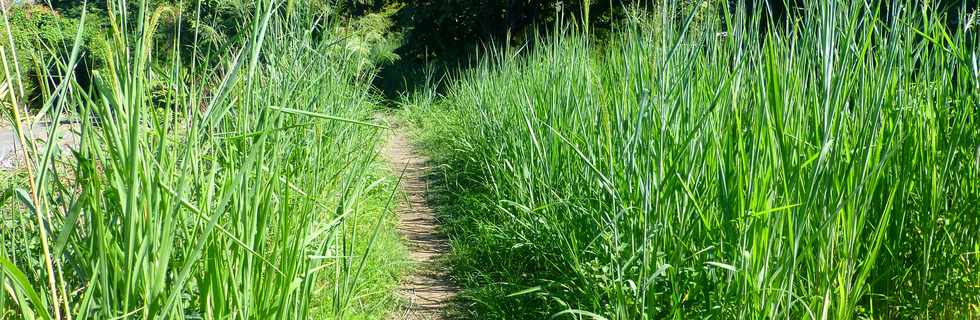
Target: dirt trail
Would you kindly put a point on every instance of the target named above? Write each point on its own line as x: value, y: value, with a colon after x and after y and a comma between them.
x: 428, y: 290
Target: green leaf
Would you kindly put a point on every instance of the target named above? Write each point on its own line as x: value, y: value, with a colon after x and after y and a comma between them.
x: 21, y: 281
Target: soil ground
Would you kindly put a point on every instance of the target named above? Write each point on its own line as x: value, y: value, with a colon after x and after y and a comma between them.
x: 427, y: 291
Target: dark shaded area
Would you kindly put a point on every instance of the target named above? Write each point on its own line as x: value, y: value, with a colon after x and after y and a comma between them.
x: 774, y: 14
x: 443, y: 35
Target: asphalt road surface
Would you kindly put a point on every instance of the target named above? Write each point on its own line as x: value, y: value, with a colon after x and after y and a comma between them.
x: 11, y: 152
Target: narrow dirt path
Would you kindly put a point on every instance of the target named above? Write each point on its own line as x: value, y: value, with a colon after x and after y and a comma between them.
x: 428, y: 290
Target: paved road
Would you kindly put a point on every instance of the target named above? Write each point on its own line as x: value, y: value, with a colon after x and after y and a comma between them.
x: 10, y: 149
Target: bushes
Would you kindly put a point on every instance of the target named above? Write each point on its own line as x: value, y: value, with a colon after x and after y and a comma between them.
x: 441, y: 35
x: 39, y: 34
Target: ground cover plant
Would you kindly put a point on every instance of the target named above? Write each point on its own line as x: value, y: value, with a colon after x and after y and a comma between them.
x: 827, y: 167
x: 247, y: 189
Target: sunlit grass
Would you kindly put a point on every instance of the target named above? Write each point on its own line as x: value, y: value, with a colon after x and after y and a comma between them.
x: 822, y: 170
x: 247, y: 191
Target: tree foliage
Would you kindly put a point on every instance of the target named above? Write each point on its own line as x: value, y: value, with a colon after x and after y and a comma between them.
x: 37, y: 34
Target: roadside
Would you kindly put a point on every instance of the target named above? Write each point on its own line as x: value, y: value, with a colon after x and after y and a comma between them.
x: 10, y: 156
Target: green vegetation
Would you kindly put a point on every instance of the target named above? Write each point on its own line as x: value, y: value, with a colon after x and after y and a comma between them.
x: 592, y: 159
x: 240, y: 185
x: 441, y: 36
x: 828, y: 168
x: 40, y: 36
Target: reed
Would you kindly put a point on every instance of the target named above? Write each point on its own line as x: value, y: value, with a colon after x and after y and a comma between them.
x: 250, y: 190
x: 709, y: 165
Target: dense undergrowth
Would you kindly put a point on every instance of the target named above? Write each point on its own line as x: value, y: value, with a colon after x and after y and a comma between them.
x: 825, y: 169
x: 248, y: 189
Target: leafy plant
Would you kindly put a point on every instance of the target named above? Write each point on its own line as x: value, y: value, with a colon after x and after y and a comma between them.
x: 40, y: 35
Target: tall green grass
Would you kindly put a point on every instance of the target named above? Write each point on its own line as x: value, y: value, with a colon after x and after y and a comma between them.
x: 250, y: 190
x: 825, y: 168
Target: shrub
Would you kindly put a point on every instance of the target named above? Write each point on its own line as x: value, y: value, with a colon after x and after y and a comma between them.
x: 39, y: 34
